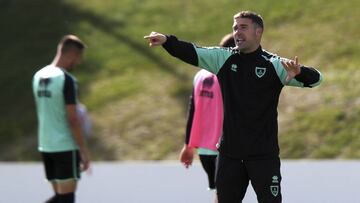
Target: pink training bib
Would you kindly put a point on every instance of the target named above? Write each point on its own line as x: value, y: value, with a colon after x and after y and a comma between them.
x: 208, y: 116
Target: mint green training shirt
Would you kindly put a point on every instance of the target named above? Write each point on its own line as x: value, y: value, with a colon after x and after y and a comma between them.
x: 53, y: 88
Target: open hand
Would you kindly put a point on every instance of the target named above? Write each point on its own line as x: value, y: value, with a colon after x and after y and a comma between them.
x: 292, y: 67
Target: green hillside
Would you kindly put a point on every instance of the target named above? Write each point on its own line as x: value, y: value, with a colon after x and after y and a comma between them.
x: 137, y: 96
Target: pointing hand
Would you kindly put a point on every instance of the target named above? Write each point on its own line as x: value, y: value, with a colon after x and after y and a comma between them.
x: 155, y: 39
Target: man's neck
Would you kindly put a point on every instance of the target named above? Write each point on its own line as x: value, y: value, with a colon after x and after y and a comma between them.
x: 60, y: 63
x: 249, y: 51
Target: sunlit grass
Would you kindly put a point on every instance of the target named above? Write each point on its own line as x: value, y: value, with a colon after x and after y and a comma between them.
x: 137, y: 95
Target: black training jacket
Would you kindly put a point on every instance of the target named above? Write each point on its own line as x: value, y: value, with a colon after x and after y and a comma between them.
x: 251, y: 85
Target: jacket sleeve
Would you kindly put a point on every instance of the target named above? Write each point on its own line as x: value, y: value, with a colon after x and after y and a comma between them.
x: 182, y: 50
x: 191, y: 110
x: 310, y: 77
x: 208, y: 58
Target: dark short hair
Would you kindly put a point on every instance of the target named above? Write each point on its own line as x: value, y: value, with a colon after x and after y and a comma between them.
x: 256, y: 18
x: 227, y: 41
x: 69, y: 42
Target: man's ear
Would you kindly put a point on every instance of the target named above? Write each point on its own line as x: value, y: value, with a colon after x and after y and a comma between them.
x: 259, y: 31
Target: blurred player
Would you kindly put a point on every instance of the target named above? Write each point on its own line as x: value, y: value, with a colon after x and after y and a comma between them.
x: 205, y: 118
x: 61, y: 142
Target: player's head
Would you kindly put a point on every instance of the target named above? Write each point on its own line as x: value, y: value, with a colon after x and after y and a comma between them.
x: 247, y: 30
x: 71, y: 42
x: 70, y: 50
x: 227, y: 41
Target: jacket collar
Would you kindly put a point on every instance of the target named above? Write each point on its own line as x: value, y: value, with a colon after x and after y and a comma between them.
x: 255, y: 53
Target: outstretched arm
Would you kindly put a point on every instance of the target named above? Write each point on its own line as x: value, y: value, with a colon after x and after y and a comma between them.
x: 182, y: 50
x: 208, y: 58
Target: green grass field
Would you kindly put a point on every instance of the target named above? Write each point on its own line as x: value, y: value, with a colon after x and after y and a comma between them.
x: 137, y: 96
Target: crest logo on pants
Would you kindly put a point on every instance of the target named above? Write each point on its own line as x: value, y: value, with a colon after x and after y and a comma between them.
x: 260, y: 71
x: 274, y: 190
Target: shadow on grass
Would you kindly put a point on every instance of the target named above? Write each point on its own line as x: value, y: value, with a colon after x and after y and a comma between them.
x: 30, y: 33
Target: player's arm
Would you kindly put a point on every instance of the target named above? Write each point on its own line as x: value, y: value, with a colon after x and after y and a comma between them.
x: 292, y: 73
x: 187, y: 152
x: 209, y: 58
x: 191, y: 110
x: 74, y: 121
x: 180, y: 49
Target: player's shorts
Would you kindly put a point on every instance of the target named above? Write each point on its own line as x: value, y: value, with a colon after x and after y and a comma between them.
x: 208, y: 162
x: 62, y: 166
